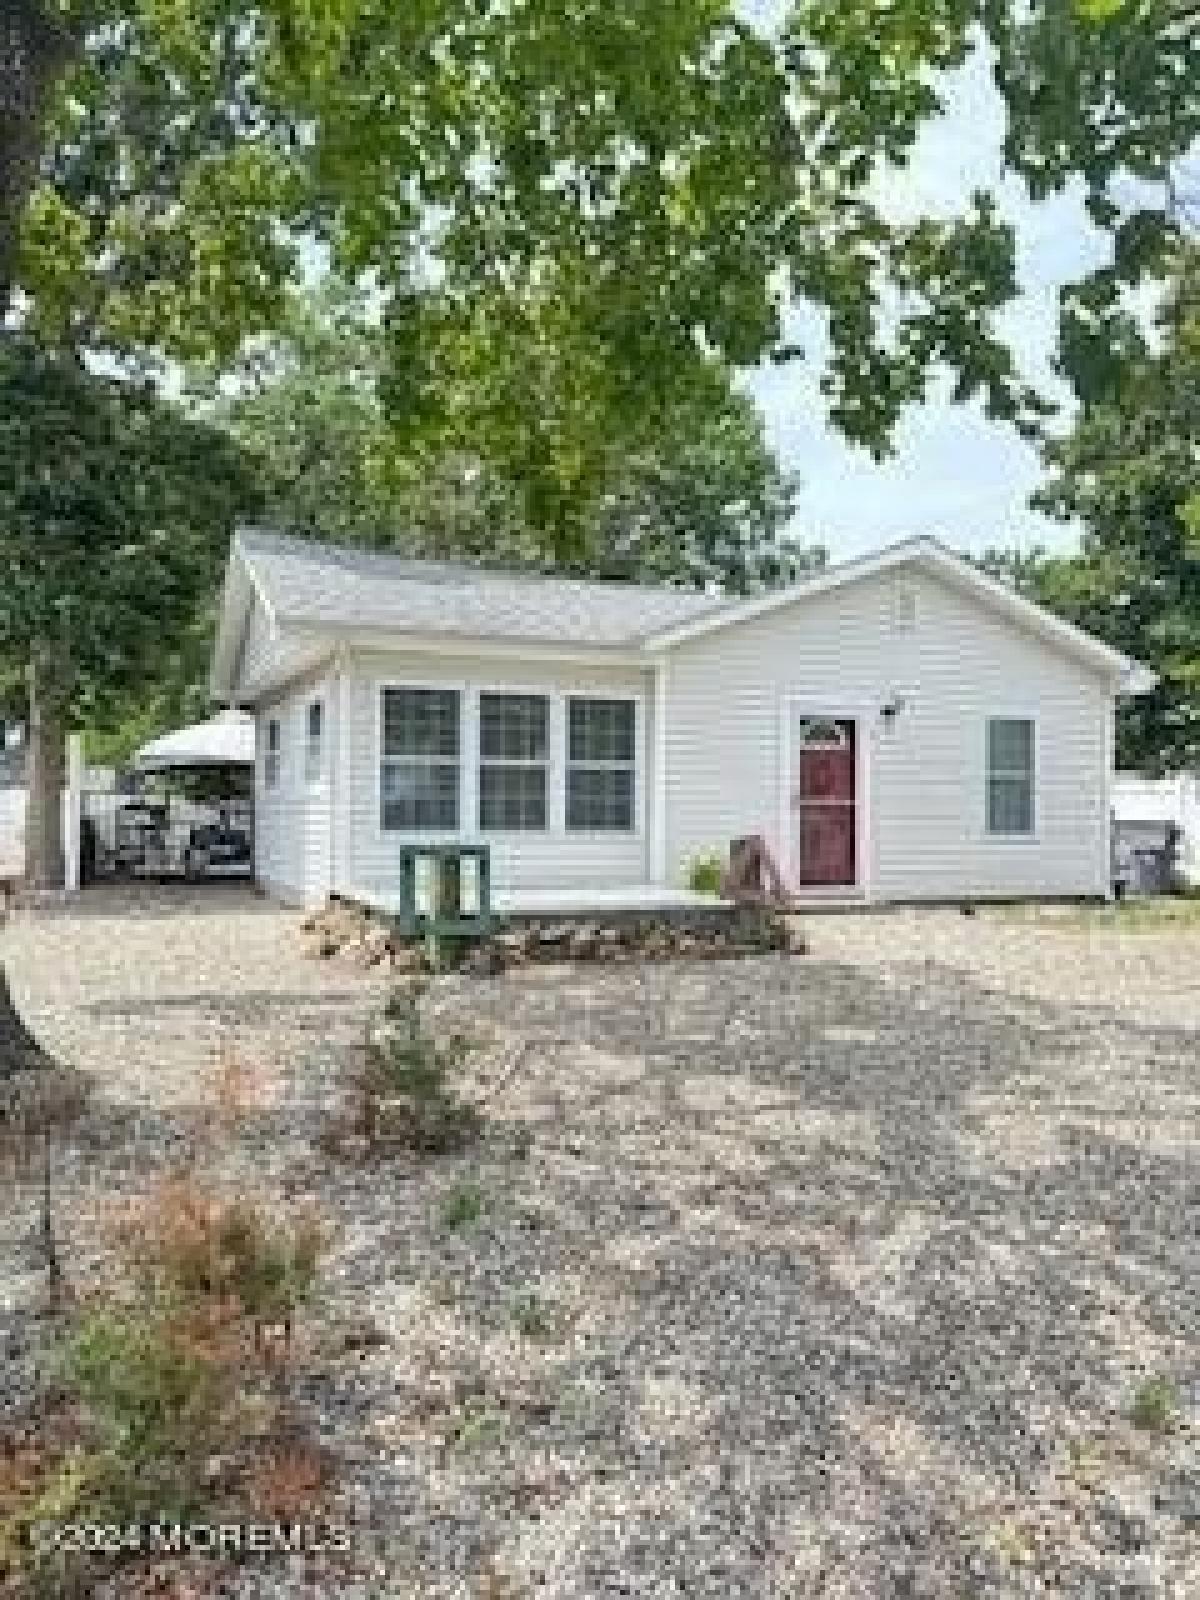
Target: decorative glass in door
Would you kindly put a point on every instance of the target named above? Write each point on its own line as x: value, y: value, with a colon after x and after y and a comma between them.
x: 824, y: 803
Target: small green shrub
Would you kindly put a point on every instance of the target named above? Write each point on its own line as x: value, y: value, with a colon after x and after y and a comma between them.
x: 532, y: 1317
x: 407, y: 1098
x: 462, y: 1206
x: 1155, y: 1405
x: 706, y: 873
x: 157, y: 1398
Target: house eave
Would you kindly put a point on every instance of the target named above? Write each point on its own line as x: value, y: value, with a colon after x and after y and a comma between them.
x: 370, y: 639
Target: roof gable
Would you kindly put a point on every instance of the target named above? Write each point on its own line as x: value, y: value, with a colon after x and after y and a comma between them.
x: 310, y: 591
x: 928, y: 555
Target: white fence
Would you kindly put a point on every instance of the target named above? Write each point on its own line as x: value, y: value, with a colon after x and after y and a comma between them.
x: 1147, y: 803
x: 13, y: 804
x: 12, y: 833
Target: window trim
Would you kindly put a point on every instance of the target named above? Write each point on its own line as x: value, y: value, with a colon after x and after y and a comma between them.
x: 273, y: 755
x: 636, y: 766
x: 465, y: 724
x: 1032, y: 834
x: 545, y: 765
x: 314, y: 773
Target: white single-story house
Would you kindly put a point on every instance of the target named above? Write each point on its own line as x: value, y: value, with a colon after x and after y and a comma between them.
x: 901, y: 728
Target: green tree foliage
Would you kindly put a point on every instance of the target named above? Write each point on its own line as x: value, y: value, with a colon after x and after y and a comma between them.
x: 1094, y: 91
x: 509, y: 471
x: 114, y: 521
x: 1130, y: 473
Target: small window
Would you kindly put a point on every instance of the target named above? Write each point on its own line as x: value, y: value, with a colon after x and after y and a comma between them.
x: 1010, y: 775
x: 314, y: 738
x: 600, y: 766
x: 419, y: 770
x: 271, y: 761
x: 513, y: 749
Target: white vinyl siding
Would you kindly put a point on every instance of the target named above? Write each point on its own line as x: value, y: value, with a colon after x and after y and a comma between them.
x: 267, y: 656
x: 293, y: 819
x: 948, y: 663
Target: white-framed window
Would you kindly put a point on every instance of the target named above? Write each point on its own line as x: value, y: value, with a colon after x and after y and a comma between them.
x: 514, y: 748
x: 314, y: 741
x: 273, y: 758
x: 1010, y: 776
x: 601, y: 760
x: 419, y: 760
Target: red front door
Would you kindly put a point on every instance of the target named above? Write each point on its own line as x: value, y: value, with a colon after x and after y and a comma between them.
x: 824, y: 804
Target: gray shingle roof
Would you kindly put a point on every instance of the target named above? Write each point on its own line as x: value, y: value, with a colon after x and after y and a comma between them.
x: 334, y: 586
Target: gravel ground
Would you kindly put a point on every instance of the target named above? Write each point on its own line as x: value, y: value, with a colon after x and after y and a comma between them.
x: 828, y: 1276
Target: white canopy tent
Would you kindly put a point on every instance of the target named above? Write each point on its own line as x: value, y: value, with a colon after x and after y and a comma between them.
x: 226, y: 740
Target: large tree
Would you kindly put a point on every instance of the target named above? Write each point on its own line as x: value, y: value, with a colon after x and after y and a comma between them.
x: 1129, y: 471
x: 114, y: 518
x: 509, y: 469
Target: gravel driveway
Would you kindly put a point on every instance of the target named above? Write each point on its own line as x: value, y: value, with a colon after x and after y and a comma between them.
x: 833, y: 1275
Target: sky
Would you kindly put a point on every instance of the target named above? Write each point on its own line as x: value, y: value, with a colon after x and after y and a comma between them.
x: 954, y: 474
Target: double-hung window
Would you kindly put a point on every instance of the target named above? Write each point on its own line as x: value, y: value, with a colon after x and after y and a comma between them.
x: 314, y: 740
x: 1010, y: 776
x: 273, y: 758
x: 419, y: 768
x: 513, y: 751
x: 601, y: 743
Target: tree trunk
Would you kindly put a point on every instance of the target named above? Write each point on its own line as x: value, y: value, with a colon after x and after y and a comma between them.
x: 44, y: 861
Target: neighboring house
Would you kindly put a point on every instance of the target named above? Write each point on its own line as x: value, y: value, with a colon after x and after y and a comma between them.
x: 1144, y: 809
x: 900, y: 728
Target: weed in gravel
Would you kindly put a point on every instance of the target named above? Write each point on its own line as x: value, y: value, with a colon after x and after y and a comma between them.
x: 227, y: 1252
x: 533, y: 1318
x: 174, y: 1409
x: 289, y: 1482
x: 462, y: 1206
x: 478, y: 1425
x: 1155, y: 1405
x: 407, y: 1099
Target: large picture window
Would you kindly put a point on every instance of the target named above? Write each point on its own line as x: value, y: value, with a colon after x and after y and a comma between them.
x: 600, y: 765
x: 1010, y: 775
x: 513, y: 749
x: 420, y: 760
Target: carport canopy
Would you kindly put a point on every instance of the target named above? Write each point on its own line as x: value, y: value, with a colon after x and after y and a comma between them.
x: 226, y: 740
